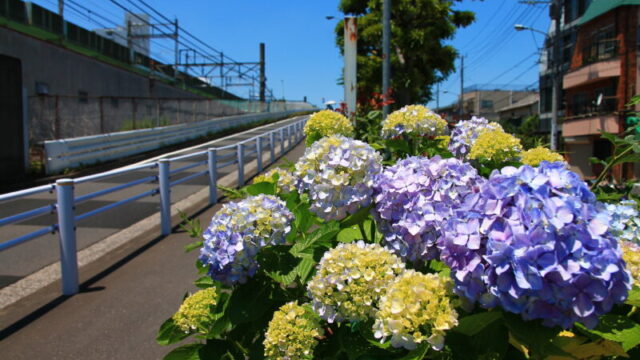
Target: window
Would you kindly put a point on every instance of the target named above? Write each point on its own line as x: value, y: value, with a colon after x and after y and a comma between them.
x: 601, y: 44
x: 83, y: 97
x: 486, y: 104
x: 579, y: 103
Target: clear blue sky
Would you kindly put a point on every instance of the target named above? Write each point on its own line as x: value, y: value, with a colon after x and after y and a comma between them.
x: 302, y: 58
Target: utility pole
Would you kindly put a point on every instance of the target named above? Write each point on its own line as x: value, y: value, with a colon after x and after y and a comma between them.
x: 350, y: 63
x: 175, y: 50
x: 386, y: 64
x: 61, y: 8
x: 438, y: 96
x: 263, y: 79
x: 556, y: 10
x: 460, y: 110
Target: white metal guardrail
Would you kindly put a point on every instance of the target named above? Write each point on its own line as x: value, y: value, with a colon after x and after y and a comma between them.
x: 69, y: 153
x: 64, y: 206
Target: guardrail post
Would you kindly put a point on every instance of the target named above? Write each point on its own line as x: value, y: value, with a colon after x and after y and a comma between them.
x: 272, y: 146
x: 67, y: 228
x: 281, y: 141
x: 165, y: 196
x: 240, y: 152
x: 212, y: 157
x: 259, y: 152
x: 290, y: 133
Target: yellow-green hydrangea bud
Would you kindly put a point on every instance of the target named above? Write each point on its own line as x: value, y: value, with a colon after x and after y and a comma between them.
x: 292, y: 333
x: 413, y: 120
x: 350, y: 280
x: 286, y: 179
x: 416, y: 308
x: 194, y: 313
x: 326, y: 123
x: 495, y: 145
x: 631, y: 256
x: 535, y: 156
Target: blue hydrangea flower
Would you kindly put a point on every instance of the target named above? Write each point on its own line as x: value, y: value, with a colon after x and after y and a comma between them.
x: 338, y: 172
x: 415, y: 196
x: 466, y: 132
x: 625, y: 221
x: 238, y: 231
x: 536, y: 243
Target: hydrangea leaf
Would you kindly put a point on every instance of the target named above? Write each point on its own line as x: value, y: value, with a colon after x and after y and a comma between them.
x: 357, y: 217
x: 170, y: 333
x: 250, y: 300
x: 267, y: 188
x: 537, y: 338
x: 473, y: 324
x: 418, y: 353
x: 634, y: 297
x: 489, y: 342
x: 350, y: 234
x: 185, y: 352
x: 278, y: 263
x: 204, y: 282
x: 321, y: 237
x: 617, y: 328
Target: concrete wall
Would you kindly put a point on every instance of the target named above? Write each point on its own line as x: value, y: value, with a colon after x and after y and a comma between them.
x: 67, y: 73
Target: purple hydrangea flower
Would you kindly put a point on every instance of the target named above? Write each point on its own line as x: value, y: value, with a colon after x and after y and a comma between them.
x: 238, y: 231
x: 466, y: 132
x: 537, y: 243
x: 415, y: 196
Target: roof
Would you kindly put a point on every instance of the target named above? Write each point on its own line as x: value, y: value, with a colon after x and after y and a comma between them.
x: 525, y: 101
x: 600, y: 7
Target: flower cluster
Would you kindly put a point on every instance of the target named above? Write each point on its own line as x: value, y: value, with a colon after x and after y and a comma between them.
x: 536, y: 243
x: 415, y: 196
x: 292, y: 333
x: 338, y: 174
x: 631, y: 256
x: 350, y: 280
x: 465, y: 133
x: 286, y: 181
x: 194, y: 313
x: 533, y: 157
x: 413, y: 120
x: 496, y: 146
x: 238, y: 231
x: 326, y: 123
x: 416, y: 308
x: 625, y: 220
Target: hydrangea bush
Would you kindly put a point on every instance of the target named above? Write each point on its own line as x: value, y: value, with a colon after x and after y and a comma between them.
x: 484, y: 252
x: 413, y: 120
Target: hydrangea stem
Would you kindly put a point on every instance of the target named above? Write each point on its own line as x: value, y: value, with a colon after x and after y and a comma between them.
x: 609, y: 165
x: 363, y: 232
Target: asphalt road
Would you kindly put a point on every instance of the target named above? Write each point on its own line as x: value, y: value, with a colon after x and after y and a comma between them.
x: 125, y: 296
x: 26, y: 258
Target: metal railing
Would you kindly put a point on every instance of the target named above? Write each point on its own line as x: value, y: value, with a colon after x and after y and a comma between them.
x: 66, y: 200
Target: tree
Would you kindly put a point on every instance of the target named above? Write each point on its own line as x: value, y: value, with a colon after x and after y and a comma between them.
x: 419, y: 57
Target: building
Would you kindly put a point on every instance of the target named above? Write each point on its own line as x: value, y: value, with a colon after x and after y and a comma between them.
x: 571, y: 12
x: 601, y: 79
x: 483, y: 101
x: 515, y: 113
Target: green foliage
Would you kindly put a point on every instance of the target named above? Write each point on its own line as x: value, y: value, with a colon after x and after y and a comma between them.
x: 527, y: 131
x: 419, y: 55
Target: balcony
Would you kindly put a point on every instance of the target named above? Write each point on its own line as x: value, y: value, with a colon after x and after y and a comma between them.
x: 591, y: 125
x: 591, y: 73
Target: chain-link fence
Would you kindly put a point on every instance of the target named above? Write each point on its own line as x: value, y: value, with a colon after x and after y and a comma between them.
x: 60, y: 117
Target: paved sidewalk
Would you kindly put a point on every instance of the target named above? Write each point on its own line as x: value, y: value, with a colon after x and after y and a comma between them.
x: 124, y: 298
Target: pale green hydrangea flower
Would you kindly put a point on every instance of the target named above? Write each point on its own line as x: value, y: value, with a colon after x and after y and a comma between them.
x: 495, y: 145
x: 533, y: 157
x: 292, y: 333
x: 327, y: 123
x: 286, y: 179
x: 194, y: 313
x: 416, y: 308
x: 350, y: 280
x: 415, y: 120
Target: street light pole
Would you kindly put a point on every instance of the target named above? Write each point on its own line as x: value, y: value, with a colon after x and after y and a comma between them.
x: 386, y: 65
x: 460, y: 110
x: 555, y: 73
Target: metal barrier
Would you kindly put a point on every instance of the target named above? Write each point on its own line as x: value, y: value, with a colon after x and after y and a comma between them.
x: 70, y: 153
x: 66, y: 200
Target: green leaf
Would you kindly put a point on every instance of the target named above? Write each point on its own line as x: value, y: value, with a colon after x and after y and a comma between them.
x: 350, y: 234
x: 278, y: 263
x: 321, y: 237
x: 305, y: 268
x: 398, y: 147
x: 532, y: 334
x: 202, y: 268
x: 617, y: 328
x: 634, y: 297
x: 204, y: 282
x: 473, y: 324
x: 267, y: 188
x: 418, y: 353
x: 170, y: 333
x: 185, y: 352
x: 489, y: 341
x: 193, y: 246
x: 250, y: 300
x: 303, y: 217
x: 356, y: 218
